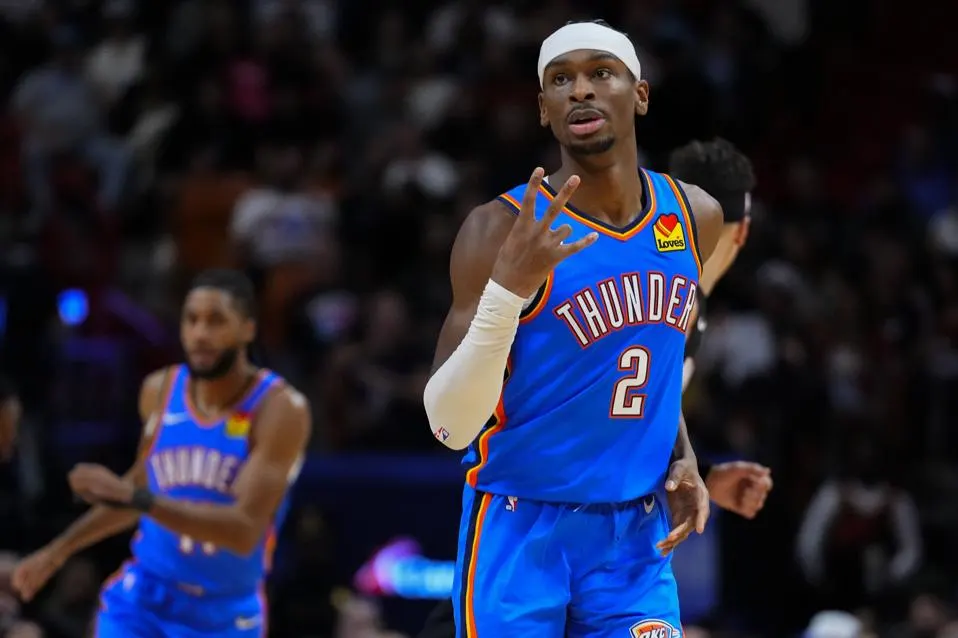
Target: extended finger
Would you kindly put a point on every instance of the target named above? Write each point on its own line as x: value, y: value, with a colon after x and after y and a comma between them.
x: 571, y: 248
x: 679, y: 532
x: 702, y: 517
x: 562, y: 233
x: 560, y: 200
x: 527, y: 210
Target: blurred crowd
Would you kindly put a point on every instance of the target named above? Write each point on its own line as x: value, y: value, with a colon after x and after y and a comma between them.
x: 330, y: 149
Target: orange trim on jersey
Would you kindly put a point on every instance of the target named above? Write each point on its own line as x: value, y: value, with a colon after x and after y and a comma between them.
x: 512, y: 201
x: 634, y: 227
x: 540, y: 300
x: 208, y: 422
x: 113, y: 579
x: 498, y: 422
x: 468, y: 611
x: 269, y: 548
x: 689, y: 221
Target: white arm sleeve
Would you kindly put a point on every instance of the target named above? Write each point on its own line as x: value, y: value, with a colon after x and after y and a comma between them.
x: 463, y: 393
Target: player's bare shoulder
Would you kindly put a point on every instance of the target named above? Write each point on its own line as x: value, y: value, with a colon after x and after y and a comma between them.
x: 477, y: 245
x: 708, y: 216
x: 286, y: 412
x: 153, y: 391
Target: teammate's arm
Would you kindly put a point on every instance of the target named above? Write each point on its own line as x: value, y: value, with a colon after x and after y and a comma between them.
x: 100, y: 522
x: 281, y: 433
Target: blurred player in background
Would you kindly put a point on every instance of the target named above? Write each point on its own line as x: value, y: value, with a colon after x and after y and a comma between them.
x: 222, y: 442
x: 727, y: 175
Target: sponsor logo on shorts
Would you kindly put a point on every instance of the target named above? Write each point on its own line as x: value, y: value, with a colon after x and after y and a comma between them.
x: 653, y: 628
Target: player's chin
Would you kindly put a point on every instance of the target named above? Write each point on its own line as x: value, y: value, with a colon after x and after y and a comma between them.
x: 592, y: 145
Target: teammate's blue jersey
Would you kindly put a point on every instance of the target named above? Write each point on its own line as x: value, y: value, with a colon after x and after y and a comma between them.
x: 592, y: 398
x: 197, y: 459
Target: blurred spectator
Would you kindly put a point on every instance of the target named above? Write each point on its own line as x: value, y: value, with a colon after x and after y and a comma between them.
x: 860, y: 536
x: 61, y: 116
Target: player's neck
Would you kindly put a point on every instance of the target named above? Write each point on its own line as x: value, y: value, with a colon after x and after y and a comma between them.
x: 610, y: 186
x: 215, y: 395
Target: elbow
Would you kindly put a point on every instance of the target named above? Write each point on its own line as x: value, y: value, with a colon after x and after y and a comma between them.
x: 448, y: 438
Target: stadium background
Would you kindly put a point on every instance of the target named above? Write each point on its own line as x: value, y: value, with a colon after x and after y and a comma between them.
x: 331, y: 149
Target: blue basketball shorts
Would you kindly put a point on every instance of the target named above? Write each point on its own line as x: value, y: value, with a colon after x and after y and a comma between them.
x: 135, y: 604
x: 528, y: 568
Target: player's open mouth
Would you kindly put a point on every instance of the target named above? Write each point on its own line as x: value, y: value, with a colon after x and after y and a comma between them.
x: 585, y: 122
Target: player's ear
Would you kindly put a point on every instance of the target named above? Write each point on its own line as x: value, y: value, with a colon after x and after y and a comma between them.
x: 641, y: 97
x: 249, y: 331
x: 543, y: 116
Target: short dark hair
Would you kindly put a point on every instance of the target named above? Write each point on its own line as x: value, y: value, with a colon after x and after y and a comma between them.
x: 232, y: 282
x: 716, y: 166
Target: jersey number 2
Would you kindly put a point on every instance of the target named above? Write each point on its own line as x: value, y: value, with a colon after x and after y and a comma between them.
x: 627, y: 403
x: 188, y: 546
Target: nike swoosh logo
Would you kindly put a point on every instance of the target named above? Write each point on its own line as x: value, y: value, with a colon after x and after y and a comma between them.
x: 173, y: 419
x: 649, y: 505
x: 251, y: 622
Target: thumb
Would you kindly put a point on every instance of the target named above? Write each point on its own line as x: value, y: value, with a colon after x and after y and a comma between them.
x: 675, y: 477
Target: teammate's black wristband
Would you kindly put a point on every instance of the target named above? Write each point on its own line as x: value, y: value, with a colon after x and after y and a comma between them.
x: 142, y: 501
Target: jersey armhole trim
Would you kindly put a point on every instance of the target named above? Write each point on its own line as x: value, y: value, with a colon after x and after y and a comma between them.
x: 689, y: 221
x: 539, y: 301
x: 510, y: 202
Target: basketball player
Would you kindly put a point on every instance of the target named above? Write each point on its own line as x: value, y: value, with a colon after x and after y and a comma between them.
x: 572, y: 298
x: 721, y: 170
x: 222, y: 442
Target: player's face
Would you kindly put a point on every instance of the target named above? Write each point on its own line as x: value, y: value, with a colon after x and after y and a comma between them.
x: 590, y: 99
x: 213, y: 332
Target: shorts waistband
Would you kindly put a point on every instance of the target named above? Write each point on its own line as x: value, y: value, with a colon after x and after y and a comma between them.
x: 595, y: 507
x: 190, y: 589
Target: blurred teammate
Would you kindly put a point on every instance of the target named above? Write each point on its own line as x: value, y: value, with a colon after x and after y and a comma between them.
x: 727, y: 175
x: 572, y: 298
x: 222, y: 442
x: 722, y: 171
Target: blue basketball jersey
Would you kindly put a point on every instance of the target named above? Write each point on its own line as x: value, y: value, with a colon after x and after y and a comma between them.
x: 591, y: 402
x: 197, y: 459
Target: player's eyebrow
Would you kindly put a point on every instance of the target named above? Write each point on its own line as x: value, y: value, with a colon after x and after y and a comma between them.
x: 596, y: 56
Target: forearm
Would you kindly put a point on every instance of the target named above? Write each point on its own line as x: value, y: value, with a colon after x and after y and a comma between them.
x: 100, y: 523
x: 225, y: 526
x: 463, y: 393
x: 683, y: 445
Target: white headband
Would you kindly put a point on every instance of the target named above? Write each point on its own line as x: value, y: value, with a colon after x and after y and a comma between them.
x: 588, y: 35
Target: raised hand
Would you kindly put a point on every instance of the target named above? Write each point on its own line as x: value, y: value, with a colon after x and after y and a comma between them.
x: 533, y: 248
